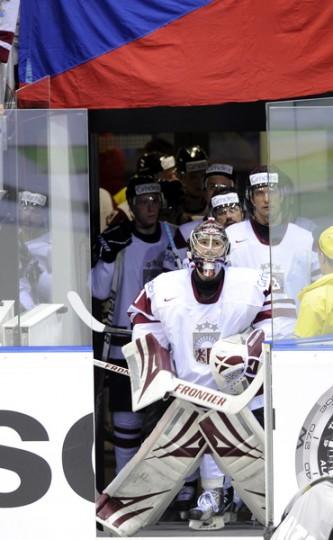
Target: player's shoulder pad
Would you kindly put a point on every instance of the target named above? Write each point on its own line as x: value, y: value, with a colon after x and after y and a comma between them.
x: 242, y: 276
x: 244, y: 285
x: 237, y: 231
x: 166, y: 282
x: 299, y: 232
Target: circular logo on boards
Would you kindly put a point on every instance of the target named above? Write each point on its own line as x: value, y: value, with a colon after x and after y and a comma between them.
x: 314, y: 452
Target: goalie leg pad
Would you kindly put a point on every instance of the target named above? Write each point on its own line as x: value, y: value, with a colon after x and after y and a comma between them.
x: 238, y: 448
x: 145, y: 487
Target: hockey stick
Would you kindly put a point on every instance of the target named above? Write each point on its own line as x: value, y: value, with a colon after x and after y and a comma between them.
x: 201, y: 395
x: 89, y: 320
x: 111, y: 367
x: 173, y: 245
x: 216, y: 399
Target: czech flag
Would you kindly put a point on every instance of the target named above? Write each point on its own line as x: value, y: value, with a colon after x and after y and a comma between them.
x: 146, y: 53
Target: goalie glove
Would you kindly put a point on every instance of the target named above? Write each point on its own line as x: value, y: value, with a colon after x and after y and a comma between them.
x: 235, y: 360
x: 112, y: 240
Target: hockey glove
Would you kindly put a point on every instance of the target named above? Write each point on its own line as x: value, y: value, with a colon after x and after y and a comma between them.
x: 113, y: 240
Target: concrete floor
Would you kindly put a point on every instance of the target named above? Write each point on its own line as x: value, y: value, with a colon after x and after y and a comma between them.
x: 173, y: 529
x: 233, y: 529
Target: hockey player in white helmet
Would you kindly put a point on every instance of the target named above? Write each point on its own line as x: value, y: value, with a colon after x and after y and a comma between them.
x: 269, y: 242
x: 218, y: 176
x: 127, y: 255
x: 163, y: 168
x: 226, y: 207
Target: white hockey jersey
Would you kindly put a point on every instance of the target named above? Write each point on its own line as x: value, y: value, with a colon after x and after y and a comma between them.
x: 291, y: 263
x: 141, y: 262
x: 169, y: 308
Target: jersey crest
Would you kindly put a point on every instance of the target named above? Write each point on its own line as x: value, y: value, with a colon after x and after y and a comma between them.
x: 152, y: 268
x: 204, y: 337
x: 276, y: 279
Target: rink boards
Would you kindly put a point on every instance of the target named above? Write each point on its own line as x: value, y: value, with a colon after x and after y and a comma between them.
x: 46, y: 444
x: 46, y: 439
x: 299, y: 434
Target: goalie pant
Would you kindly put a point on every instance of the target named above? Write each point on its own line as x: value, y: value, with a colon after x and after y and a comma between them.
x: 143, y: 490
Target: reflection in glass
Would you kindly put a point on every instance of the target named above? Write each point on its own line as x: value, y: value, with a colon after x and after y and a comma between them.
x: 44, y: 230
x: 300, y: 144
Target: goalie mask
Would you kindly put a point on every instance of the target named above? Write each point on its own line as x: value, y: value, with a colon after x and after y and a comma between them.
x: 209, y: 248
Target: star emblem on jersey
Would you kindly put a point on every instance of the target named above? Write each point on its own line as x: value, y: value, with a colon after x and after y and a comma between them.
x: 204, y: 337
x: 207, y: 326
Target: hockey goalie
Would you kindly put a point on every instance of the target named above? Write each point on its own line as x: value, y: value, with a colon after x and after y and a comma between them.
x: 182, y: 321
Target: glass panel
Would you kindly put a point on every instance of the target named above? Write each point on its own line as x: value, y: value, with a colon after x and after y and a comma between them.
x: 9, y: 280
x: 44, y: 239
x: 300, y: 149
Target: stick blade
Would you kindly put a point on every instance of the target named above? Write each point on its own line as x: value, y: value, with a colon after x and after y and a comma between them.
x: 82, y: 312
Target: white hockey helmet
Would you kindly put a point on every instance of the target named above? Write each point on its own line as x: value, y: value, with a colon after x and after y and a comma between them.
x: 209, y: 247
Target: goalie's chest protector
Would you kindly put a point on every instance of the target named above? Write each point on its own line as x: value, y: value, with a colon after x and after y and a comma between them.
x: 192, y: 327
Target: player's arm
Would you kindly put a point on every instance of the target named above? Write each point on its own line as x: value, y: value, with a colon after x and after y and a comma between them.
x: 25, y: 294
x: 111, y: 241
x: 143, y: 318
x: 106, y: 249
x: 263, y: 319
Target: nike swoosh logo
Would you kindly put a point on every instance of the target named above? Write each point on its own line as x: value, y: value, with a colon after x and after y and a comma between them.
x: 239, y: 241
x: 168, y: 299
